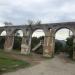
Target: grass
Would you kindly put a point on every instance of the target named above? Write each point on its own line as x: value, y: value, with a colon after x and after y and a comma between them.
x: 10, y: 64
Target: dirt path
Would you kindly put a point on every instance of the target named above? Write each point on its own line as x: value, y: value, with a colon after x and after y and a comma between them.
x: 55, y: 66
x: 33, y: 59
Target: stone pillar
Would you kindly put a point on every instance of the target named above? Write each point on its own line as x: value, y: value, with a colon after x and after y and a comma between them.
x: 26, y: 43
x: 9, y: 40
x: 74, y: 47
x: 48, y: 50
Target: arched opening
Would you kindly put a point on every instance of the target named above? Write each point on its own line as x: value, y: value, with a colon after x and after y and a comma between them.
x: 2, y: 24
x: 2, y: 39
x: 17, y: 40
x: 37, y: 41
x: 64, y: 42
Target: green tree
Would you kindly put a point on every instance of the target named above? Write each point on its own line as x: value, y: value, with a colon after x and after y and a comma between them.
x: 17, y: 43
x: 58, y: 46
x: 34, y: 42
x: 2, y: 41
x: 69, y: 46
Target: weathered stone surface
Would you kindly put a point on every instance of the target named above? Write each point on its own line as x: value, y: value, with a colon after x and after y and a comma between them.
x: 8, y: 43
x: 25, y: 49
x: 49, y: 40
x: 48, y: 44
x: 26, y: 43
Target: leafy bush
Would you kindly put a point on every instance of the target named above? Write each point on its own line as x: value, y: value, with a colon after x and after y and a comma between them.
x: 17, y: 43
x: 35, y: 41
x: 2, y: 41
x: 58, y: 46
x: 69, y: 46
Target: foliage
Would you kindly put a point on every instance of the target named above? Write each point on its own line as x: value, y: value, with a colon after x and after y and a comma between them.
x: 39, y: 50
x: 17, y: 43
x: 8, y: 23
x: 35, y: 41
x: 69, y: 46
x: 31, y: 22
x: 2, y: 41
x: 69, y: 41
x: 58, y: 46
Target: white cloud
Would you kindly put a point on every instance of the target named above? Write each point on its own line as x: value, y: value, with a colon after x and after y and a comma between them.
x: 19, y: 11
x: 3, y: 33
x: 63, y: 34
x: 2, y: 24
x: 38, y: 33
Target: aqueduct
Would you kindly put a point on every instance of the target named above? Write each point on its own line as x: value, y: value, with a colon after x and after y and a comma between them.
x: 49, y: 39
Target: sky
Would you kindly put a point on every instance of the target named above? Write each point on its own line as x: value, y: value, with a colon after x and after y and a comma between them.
x: 61, y: 34
x: 47, y: 11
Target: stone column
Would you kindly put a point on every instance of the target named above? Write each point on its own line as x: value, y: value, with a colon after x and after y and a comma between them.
x: 48, y: 50
x: 26, y: 43
x: 9, y: 40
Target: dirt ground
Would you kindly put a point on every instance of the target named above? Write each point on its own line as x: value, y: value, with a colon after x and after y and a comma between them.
x: 59, y: 65
x: 33, y: 58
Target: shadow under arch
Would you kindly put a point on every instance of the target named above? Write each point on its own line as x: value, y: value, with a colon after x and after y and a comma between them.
x: 2, y: 38
x: 71, y: 29
x: 18, y: 34
x: 63, y: 40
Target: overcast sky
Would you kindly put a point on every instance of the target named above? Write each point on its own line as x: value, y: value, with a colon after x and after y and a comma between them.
x: 62, y: 34
x: 48, y: 11
x: 19, y: 11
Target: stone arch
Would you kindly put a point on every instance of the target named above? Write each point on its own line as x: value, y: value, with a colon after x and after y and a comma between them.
x: 43, y: 29
x: 16, y: 30
x: 3, y: 33
x: 39, y: 31
x: 38, y: 35
x: 65, y: 28
x: 50, y: 40
x: 18, y: 34
x: 68, y: 28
